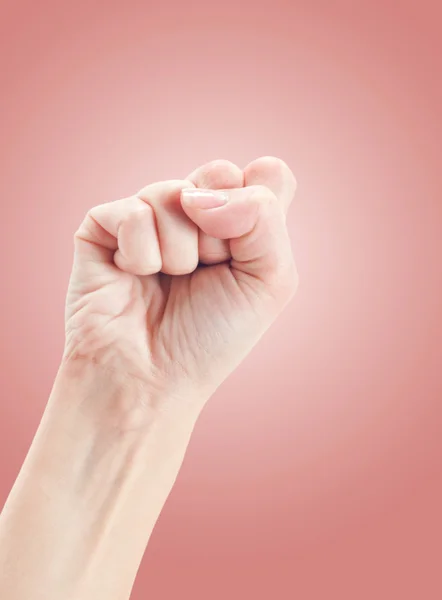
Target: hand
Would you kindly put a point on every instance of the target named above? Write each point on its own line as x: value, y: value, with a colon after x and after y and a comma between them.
x: 142, y: 302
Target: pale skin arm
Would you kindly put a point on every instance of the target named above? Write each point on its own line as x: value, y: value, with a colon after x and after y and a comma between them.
x: 126, y: 398
x: 84, y: 505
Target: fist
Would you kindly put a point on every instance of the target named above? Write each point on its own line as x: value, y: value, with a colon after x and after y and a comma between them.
x: 172, y: 287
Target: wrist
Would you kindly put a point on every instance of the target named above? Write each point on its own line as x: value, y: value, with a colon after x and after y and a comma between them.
x: 95, y: 481
x: 123, y: 404
x: 100, y: 426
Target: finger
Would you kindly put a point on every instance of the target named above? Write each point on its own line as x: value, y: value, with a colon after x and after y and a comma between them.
x: 142, y: 234
x: 138, y: 245
x: 275, y: 174
x: 217, y: 174
x: 177, y: 234
x: 123, y: 232
x: 252, y: 219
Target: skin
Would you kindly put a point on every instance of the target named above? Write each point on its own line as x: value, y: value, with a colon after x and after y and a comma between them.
x: 166, y: 298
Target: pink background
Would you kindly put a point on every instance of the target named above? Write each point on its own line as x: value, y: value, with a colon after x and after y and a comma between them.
x: 316, y: 470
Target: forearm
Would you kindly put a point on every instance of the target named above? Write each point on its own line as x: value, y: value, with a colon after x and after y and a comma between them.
x: 100, y: 468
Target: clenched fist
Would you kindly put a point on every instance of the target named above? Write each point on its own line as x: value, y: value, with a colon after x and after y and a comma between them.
x: 171, y: 287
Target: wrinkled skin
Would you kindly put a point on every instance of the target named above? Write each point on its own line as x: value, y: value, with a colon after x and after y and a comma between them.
x: 174, y: 296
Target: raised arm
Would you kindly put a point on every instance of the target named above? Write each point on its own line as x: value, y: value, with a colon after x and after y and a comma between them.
x: 150, y: 334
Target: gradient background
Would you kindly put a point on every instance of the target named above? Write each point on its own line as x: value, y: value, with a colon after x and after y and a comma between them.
x: 316, y: 470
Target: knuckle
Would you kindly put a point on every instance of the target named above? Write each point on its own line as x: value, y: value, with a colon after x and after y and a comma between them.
x: 220, y: 173
x: 180, y: 184
x: 136, y: 212
x: 270, y: 162
x: 263, y: 194
x: 163, y: 189
x: 95, y: 211
x: 85, y: 225
x: 221, y: 164
x: 220, y: 167
x: 270, y: 165
x: 270, y: 168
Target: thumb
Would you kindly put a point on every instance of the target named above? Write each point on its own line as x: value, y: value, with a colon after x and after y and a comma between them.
x: 252, y: 219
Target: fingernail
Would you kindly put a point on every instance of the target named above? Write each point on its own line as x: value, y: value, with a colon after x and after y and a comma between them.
x: 198, y: 198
